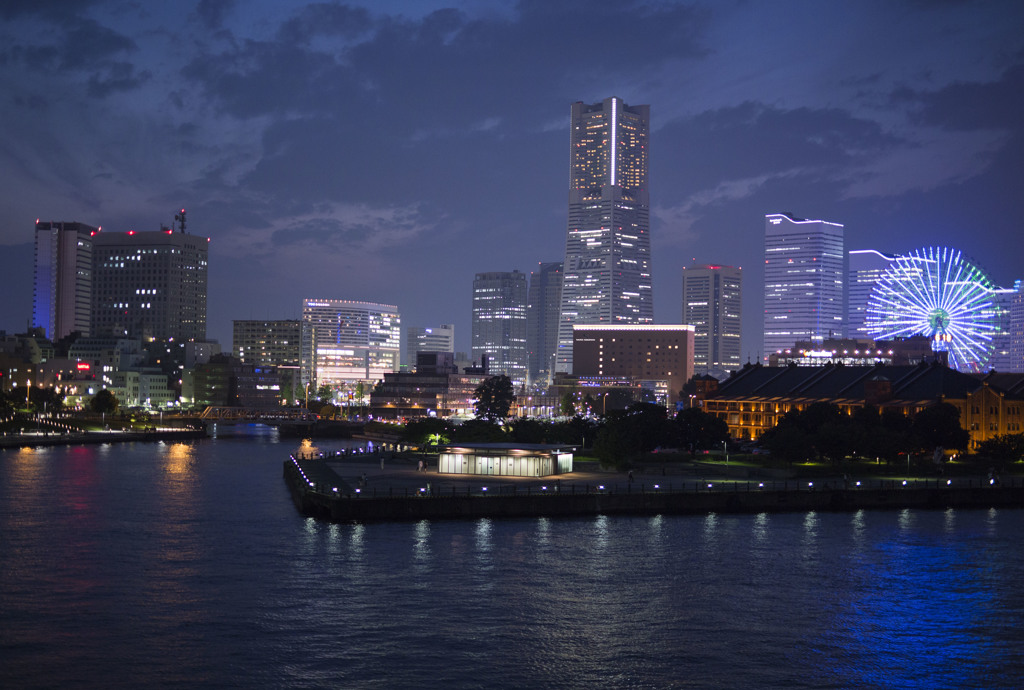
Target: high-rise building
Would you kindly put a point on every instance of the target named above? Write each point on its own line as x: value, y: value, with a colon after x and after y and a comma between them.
x: 285, y: 345
x: 62, y: 295
x: 1008, y: 354
x: 804, y: 280
x: 865, y: 268
x: 150, y: 285
x: 1016, y: 328
x: 352, y: 342
x: 542, y: 310
x: 607, y: 271
x: 712, y: 305
x: 435, y: 339
x: 499, y: 323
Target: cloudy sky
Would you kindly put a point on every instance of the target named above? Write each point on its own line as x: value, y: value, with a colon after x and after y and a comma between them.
x: 387, y: 150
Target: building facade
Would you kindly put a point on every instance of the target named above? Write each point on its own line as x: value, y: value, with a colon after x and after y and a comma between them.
x: 712, y: 304
x: 607, y: 268
x: 804, y: 281
x: 659, y: 354
x: 865, y: 268
x: 499, y: 323
x: 150, y: 285
x: 62, y: 289
x: 352, y: 342
x: 542, y: 310
x: 285, y: 345
x: 434, y: 339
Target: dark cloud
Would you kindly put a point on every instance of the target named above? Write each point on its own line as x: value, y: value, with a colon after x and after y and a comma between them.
x: 754, y: 140
x: 213, y: 12
x: 969, y: 106
x: 325, y: 19
x: 120, y: 76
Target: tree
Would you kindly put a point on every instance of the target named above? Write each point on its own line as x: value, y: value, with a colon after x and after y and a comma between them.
x: 698, y: 430
x: 568, y: 405
x: 1003, y: 449
x: 494, y: 398
x: 478, y: 431
x: 324, y: 393
x: 428, y: 431
x: 939, y: 425
x: 104, y: 402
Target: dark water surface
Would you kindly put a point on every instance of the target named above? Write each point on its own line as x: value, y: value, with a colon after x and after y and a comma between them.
x: 187, y: 565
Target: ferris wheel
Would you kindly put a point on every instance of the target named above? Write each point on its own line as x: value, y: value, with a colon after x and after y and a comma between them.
x: 935, y: 292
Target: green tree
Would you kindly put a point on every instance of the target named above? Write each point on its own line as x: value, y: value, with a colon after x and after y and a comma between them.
x: 478, y: 431
x: 494, y: 398
x: 324, y: 393
x: 104, y: 402
x: 698, y: 430
x: 939, y: 425
x: 1002, y: 449
x: 527, y: 430
x: 428, y: 431
x: 568, y: 405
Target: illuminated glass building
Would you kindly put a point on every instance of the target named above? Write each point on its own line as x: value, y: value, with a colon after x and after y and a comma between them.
x: 150, y: 285
x: 419, y: 339
x: 866, y: 268
x: 499, y: 323
x: 352, y: 341
x: 712, y: 305
x: 804, y: 281
x: 607, y: 270
x: 62, y: 293
x: 542, y: 311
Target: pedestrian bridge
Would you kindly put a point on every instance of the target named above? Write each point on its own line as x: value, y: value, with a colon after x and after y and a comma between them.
x: 265, y: 415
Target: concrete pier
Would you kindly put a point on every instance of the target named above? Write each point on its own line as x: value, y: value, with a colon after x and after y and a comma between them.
x: 319, y: 490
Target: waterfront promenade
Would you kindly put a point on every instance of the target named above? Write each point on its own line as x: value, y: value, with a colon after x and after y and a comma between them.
x: 75, y: 438
x: 355, y: 489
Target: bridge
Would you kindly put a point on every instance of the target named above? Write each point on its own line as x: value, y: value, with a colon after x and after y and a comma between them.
x: 264, y: 415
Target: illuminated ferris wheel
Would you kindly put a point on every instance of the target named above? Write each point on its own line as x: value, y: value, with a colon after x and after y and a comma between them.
x: 935, y: 292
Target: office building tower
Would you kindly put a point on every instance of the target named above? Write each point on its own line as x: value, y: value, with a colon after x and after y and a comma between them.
x: 352, y: 342
x: 150, y: 285
x: 285, y: 345
x: 804, y: 281
x: 865, y: 268
x: 712, y: 305
x: 62, y: 292
x: 499, y: 323
x: 656, y: 356
x: 435, y: 339
x: 542, y: 310
x: 607, y: 271
x: 1007, y: 355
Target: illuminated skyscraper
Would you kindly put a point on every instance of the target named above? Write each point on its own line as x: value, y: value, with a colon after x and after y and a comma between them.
x: 352, y: 341
x: 150, y: 285
x: 542, y: 311
x: 866, y: 267
x: 62, y: 295
x: 435, y: 339
x: 804, y: 297
x: 607, y: 271
x: 499, y: 323
x: 712, y: 305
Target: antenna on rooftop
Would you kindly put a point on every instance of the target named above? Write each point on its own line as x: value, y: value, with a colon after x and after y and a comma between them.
x: 180, y: 219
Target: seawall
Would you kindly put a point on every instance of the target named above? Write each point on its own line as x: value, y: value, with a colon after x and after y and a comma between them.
x: 312, y: 491
x: 91, y: 437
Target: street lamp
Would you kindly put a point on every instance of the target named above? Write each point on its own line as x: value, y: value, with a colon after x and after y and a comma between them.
x: 725, y: 449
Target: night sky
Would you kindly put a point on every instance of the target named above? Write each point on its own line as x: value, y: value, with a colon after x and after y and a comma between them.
x: 387, y: 151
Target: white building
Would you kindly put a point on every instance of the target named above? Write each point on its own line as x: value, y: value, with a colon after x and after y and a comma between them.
x: 353, y: 342
x: 804, y: 281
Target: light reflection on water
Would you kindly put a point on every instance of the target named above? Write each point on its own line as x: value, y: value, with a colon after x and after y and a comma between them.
x: 187, y: 564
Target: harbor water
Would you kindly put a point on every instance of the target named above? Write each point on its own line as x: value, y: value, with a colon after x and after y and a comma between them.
x: 187, y: 565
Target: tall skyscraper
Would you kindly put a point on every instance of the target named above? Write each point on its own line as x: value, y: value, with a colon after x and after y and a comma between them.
x: 804, y: 280
x: 542, y: 310
x: 866, y: 267
x: 499, y: 323
x: 712, y: 305
x: 62, y: 294
x: 150, y: 285
x: 434, y: 339
x: 607, y: 271
x: 1007, y: 355
x: 352, y: 341
x: 1016, y: 328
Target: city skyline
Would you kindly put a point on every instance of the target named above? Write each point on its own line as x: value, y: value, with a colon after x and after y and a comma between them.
x: 285, y: 129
